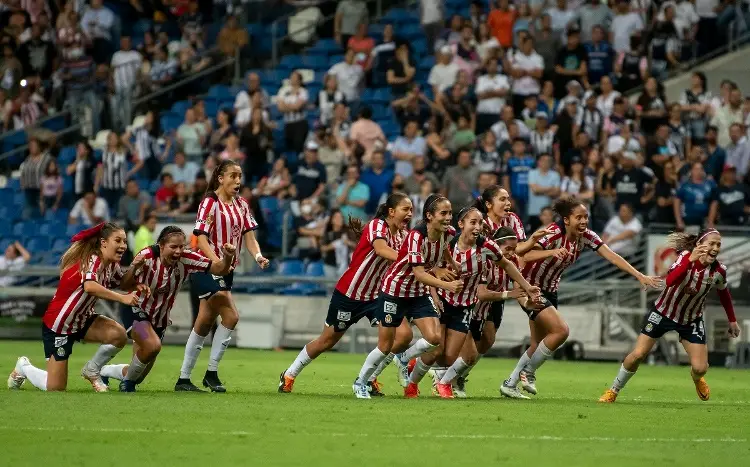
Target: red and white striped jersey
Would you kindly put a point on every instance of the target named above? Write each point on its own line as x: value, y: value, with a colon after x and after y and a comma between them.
x: 417, y: 250
x: 362, y: 278
x: 72, y: 306
x: 496, y: 280
x: 474, y: 263
x: 684, y: 302
x: 165, y: 282
x: 224, y: 223
x: 546, y: 273
x: 512, y: 221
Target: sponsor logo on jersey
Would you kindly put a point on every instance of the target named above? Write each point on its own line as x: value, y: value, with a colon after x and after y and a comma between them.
x: 60, y: 341
x: 655, y: 317
x: 390, y: 308
x: 344, y: 315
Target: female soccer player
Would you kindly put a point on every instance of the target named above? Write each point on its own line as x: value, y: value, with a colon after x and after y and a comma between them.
x: 471, y: 251
x: 680, y: 308
x: 404, y: 292
x: 544, y: 266
x: 165, y: 267
x: 356, y: 292
x: 495, y: 204
x: 89, y: 268
x: 223, y: 217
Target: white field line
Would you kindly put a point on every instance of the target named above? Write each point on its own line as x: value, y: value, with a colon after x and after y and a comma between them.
x: 378, y: 435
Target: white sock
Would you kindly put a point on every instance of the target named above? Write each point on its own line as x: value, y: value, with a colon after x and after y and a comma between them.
x: 420, y: 369
x: 192, y: 351
x: 103, y: 355
x: 135, y: 370
x: 540, y: 355
x: 623, y: 376
x: 420, y: 347
x: 516, y: 374
x: 457, y: 369
x: 439, y: 372
x: 372, y: 361
x: 382, y: 366
x: 114, y: 371
x: 467, y: 370
x: 222, y: 337
x: 36, y: 376
x: 302, y: 360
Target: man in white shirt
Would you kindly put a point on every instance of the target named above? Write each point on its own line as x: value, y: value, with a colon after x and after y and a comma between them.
x: 89, y: 210
x: 624, y: 24
x: 621, y: 232
x: 491, y: 89
x: 242, y: 101
x: 126, y: 66
x: 14, y: 259
x: 443, y: 74
x: 432, y: 17
x: 97, y: 23
x: 408, y: 147
x: 526, y: 68
x: 561, y: 16
x: 349, y: 75
x: 624, y: 141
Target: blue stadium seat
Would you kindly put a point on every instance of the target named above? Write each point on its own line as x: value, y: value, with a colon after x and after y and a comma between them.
x: 144, y: 184
x: 411, y: 32
x: 315, y: 269
x: 16, y: 138
x: 19, y: 200
x: 290, y: 267
x: 220, y: 91
x: 398, y: 16
x: 5, y: 242
x: 52, y: 259
x: 66, y: 157
x: 55, y: 124
x: 212, y: 106
x: 9, y: 214
x: 14, y: 184
x: 254, y: 30
x: 154, y: 186
x: 180, y: 107
x: 170, y: 121
x: 73, y: 229
x: 315, y: 62
x: 52, y: 229
x: 427, y: 62
x: 6, y: 228
x: 291, y: 62
x: 25, y: 229
x: 334, y: 59
x: 328, y: 45
x: 38, y: 244
x: 367, y: 96
x: 383, y: 95
x: 61, y: 244
x: 420, y: 49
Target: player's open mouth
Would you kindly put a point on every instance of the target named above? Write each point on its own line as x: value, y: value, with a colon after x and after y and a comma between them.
x: 237, y: 189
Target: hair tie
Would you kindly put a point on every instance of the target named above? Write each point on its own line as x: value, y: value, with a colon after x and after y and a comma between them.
x: 708, y: 232
x: 84, y: 235
x: 507, y: 237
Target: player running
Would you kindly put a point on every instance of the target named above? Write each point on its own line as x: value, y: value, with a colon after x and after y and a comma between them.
x: 471, y: 251
x: 543, y: 267
x: 495, y: 204
x: 223, y: 217
x: 404, y: 293
x: 89, y: 268
x: 680, y: 308
x: 166, y: 266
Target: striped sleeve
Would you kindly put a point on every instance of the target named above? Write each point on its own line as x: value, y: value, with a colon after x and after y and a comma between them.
x: 492, y: 250
x: 552, y: 240
x: 195, y: 262
x: 376, y: 229
x: 148, y: 263
x: 720, y: 278
x: 592, y: 240
x: 116, y: 278
x: 486, y: 272
x: 414, y: 243
x: 450, y: 234
x: 248, y: 221
x: 517, y: 225
x: 205, y: 219
x: 92, y: 269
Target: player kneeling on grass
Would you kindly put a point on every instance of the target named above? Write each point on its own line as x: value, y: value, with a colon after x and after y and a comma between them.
x: 89, y: 268
x: 163, y: 267
x: 680, y: 308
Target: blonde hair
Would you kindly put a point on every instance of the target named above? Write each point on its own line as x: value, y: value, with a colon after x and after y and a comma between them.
x: 80, y: 252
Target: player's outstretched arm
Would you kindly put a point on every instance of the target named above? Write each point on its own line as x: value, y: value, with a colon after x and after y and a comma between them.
x: 647, y: 281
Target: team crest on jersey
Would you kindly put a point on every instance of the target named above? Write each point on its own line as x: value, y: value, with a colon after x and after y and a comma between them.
x: 390, y: 308
x: 236, y: 231
x: 61, y: 351
x: 60, y: 341
x: 210, y: 219
x: 388, y: 319
x: 649, y: 327
x: 162, y: 290
x: 654, y: 317
x: 344, y: 315
x: 342, y: 325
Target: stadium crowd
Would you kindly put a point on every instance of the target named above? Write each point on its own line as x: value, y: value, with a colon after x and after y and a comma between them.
x: 530, y: 96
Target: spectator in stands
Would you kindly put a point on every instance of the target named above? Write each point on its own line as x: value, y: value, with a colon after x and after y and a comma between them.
x: 466, y: 55
x: 32, y: 170
x: 406, y: 148
x: 401, y: 71
x: 621, y: 232
x: 378, y: 178
x: 728, y: 114
x: 487, y: 158
x: 291, y: 102
x: 418, y: 198
x: 484, y: 181
x: 243, y: 99
x: 37, y: 55
x: 133, y: 206
x: 6, y: 107
x: 199, y: 192
x: 51, y: 188
x: 696, y: 102
x: 731, y: 203
x: 500, y: 21
x: 78, y: 79
x: 460, y: 181
x: 98, y: 23
x: 350, y: 77
x: 276, y: 183
x: 89, y: 210
x: 11, y: 68
x: 217, y: 136
x: 432, y: 17
x: 147, y: 146
x: 232, y: 38
x: 653, y: 107
x: 309, y: 181
x: 571, y: 62
x: 524, y: 23
x: 182, y: 170
x: 163, y: 69
x: 561, y: 16
x: 352, y: 195
x: 413, y: 106
x: 82, y: 169
x: 631, y: 66
x: 126, y: 69
x: 693, y: 200
x: 245, y: 114
x: 14, y: 259
x: 624, y: 24
x: 592, y: 15
x: 191, y: 136
x: 112, y: 173
x: 232, y: 150
x: 664, y: 46
x: 605, y: 101
x: 335, y: 245
x: 464, y: 136
x: 165, y: 192
x: 28, y: 107
x: 366, y: 136
x: 487, y: 45
x: 144, y: 236
x: 577, y: 183
x: 439, y: 158
x: 605, y: 188
x: 256, y: 140
x: 349, y: 15
x: 715, y: 155
x: 362, y: 45
x: 601, y: 55
x: 544, y: 186
x: 665, y: 192
x: 419, y: 174
x: 738, y: 150
x: 516, y: 177
x: 328, y: 97
x: 526, y: 68
x: 443, y: 73
x: 382, y: 54
x: 632, y: 185
x: 491, y: 90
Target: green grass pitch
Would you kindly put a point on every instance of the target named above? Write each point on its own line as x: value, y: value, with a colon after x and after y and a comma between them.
x: 658, y: 420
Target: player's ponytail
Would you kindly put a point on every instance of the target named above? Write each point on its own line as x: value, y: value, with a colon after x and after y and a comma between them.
x: 167, y: 232
x: 382, y: 213
x: 85, y: 244
x: 213, y: 184
x: 682, y: 241
x: 356, y: 226
x: 486, y: 197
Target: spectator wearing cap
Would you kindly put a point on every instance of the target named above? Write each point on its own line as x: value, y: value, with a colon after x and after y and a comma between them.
x: 309, y: 181
x: 526, y: 68
x: 349, y: 15
x: 14, y: 259
x: 601, y: 55
x: 378, y: 178
x: 632, y: 185
x: 738, y: 151
x: 460, y: 181
x: 542, y: 139
x: 443, y: 74
x: 571, y: 62
x: 98, y: 23
x: 500, y: 21
x: 694, y: 197
x: 729, y: 113
x: 544, y: 187
x: 406, y: 148
x: 621, y: 232
x: 432, y: 17
x: 731, y: 203
x: 352, y: 195
x: 89, y: 210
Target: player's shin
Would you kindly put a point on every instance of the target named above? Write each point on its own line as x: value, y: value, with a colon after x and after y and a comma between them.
x: 222, y: 337
x: 135, y: 369
x: 372, y: 361
x: 302, y: 360
x: 192, y: 352
x: 382, y: 366
x: 114, y: 371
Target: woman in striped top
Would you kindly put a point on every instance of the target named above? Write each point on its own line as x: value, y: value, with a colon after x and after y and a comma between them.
x: 474, y: 254
x: 112, y: 174
x: 554, y: 253
x: 680, y: 308
x: 32, y: 170
x: 404, y: 291
x: 163, y: 267
x: 89, y: 269
x: 147, y: 146
x: 355, y: 296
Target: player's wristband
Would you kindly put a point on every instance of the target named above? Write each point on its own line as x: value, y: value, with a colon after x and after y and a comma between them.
x: 258, y: 256
x: 505, y: 295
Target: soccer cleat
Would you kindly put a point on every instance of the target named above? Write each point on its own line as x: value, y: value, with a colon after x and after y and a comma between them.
x: 435, y: 380
x: 211, y: 381
x: 403, y: 370
x: 701, y: 387
x: 185, y: 385
x: 105, y: 380
x: 91, y: 374
x: 511, y: 391
x: 411, y: 391
x: 445, y: 391
x: 360, y: 390
x: 609, y: 396
x: 528, y: 382
x: 459, y: 387
x: 286, y: 383
x: 375, y: 388
x: 127, y: 386
x: 17, y: 377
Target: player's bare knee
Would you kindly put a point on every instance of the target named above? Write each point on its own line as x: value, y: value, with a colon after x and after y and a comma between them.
x: 433, y: 338
x: 117, y: 337
x: 699, y: 368
x: 230, y: 320
x: 151, y: 349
